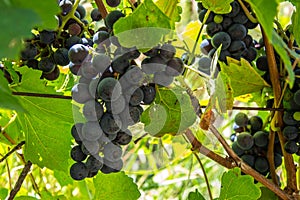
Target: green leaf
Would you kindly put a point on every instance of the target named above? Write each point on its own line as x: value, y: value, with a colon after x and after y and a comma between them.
x: 7, y: 100
x: 3, y: 193
x: 265, y: 18
x: 195, y: 196
x: 218, y: 6
x: 25, y: 198
x: 172, y: 112
x: 19, y: 17
x: 250, y: 82
x: 283, y: 50
x: 171, y: 10
x: 296, y: 21
x: 116, y: 186
x: 267, y: 194
x: 144, y: 28
x: 46, y: 10
x: 224, y: 93
x: 238, y: 187
x: 46, y: 125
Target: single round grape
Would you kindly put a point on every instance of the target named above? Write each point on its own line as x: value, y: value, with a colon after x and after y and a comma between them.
x: 123, y: 137
x: 261, y: 138
x: 249, y: 159
x: 221, y: 38
x: 46, y: 65
x: 80, y: 93
x: 116, y: 106
x: 136, y: 97
x: 210, y: 16
x: 77, y: 53
x: 29, y: 52
x: 74, y: 29
x: 96, y: 15
x: 223, y: 55
x: 235, y: 9
x: 212, y: 28
x: 120, y: 64
x: 240, y: 18
x: 250, y: 25
x: 47, y: 37
x: 76, y: 132
x: 261, y: 164
x: 71, y: 41
x: 167, y: 51
x: 256, y: 123
x: 149, y: 94
x: 109, y: 89
x: 110, y: 167
x: 92, y: 110
x: 130, y: 116
x: 288, y: 118
x: 94, y: 164
x: 74, y: 68
x: 153, y: 64
x: 237, y: 31
x: 237, y: 149
x: 101, y: 37
x: 175, y: 67
x: 297, y: 97
x: 112, y: 152
x: 60, y: 57
x: 226, y: 23
x: 88, y: 71
x: 152, y: 52
x: 33, y: 63
x: 204, y: 64
x: 101, y: 62
x: 66, y: 6
x: 237, y: 48
x: 291, y: 147
x: 78, y: 171
x: 112, y: 17
x: 113, y: 3
x: 262, y: 63
x: 241, y: 119
x: 162, y: 78
x: 81, y: 10
x: 52, y: 75
x: 77, y: 154
x: 110, y: 124
x: 245, y: 141
x: 290, y: 132
x: 248, y: 40
x: 91, y: 131
x: 250, y: 54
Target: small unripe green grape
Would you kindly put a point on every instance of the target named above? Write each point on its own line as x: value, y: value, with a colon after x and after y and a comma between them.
x: 218, y: 19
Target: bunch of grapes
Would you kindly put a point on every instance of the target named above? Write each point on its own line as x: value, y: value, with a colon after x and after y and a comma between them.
x: 229, y: 30
x: 250, y: 142
x: 112, y: 89
x: 48, y: 49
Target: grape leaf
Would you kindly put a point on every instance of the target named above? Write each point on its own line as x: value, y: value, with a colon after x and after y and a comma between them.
x: 251, y: 81
x: 296, y: 21
x: 171, y: 10
x: 46, y: 125
x: 232, y: 180
x: 25, y: 198
x: 195, y: 196
x: 16, y: 29
x: 267, y: 194
x: 283, y: 50
x: 224, y: 93
x: 265, y: 18
x: 116, y: 186
x: 218, y: 6
x: 7, y: 100
x: 144, y: 28
x: 172, y: 112
x: 3, y: 193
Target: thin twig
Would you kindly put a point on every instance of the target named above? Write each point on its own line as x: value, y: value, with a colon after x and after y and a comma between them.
x: 138, y: 139
x: 20, y: 180
x: 18, y: 146
x: 270, y: 156
x: 205, y: 175
x: 8, y: 173
x: 30, y: 94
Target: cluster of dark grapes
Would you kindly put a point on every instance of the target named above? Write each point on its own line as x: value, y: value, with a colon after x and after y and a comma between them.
x: 250, y: 142
x: 48, y: 49
x: 112, y: 89
x: 229, y: 30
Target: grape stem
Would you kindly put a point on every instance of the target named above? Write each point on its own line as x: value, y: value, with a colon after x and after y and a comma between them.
x: 20, y: 180
x: 246, y: 11
x: 18, y: 146
x: 205, y: 176
x: 270, y: 156
x: 237, y: 162
x: 274, y: 75
x: 101, y: 8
